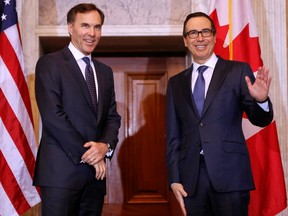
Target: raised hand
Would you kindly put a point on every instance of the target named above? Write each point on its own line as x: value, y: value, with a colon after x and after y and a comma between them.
x: 260, y: 88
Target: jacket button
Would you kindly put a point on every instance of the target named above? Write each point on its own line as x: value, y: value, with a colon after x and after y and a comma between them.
x: 201, y: 124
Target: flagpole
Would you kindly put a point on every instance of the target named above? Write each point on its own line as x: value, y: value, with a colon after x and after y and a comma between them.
x: 230, y: 30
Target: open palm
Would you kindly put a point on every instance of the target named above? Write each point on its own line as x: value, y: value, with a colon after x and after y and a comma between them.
x: 260, y: 88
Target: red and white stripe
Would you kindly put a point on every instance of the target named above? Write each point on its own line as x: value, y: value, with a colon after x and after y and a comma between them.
x: 17, y: 139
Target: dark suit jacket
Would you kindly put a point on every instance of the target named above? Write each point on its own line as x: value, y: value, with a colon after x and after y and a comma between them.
x: 219, y: 129
x: 69, y: 121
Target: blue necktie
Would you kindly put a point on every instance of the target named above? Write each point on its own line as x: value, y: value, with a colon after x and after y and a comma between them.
x: 89, y: 75
x: 199, y: 89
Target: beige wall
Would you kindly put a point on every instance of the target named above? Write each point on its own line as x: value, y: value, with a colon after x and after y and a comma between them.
x: 143, y: 17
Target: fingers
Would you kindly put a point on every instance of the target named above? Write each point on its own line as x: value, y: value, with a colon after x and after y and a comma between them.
x: 95, y: 153
x: 184, y: 211
x: 101, y: 170
x: 182, y: 206
x: 179, y: 193
x: 88, y: 144
x: 269, y: 82
x: 248, y: 81
x: 259, y: 89
x: 88, y: 157
x: 99, y: 165
x: 91, y: 159
x: 263, y: 75
x: 178, y: 189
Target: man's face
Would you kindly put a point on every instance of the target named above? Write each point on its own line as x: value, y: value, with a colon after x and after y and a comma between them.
x: 201, y: 47
x: 85, y: 32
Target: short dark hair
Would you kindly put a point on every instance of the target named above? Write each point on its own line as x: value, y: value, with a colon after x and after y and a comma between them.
x: 83, y: 8
x: 198, y: 14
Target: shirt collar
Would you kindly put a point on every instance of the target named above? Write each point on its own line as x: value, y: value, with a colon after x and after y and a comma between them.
x: 210, y: 63
x: 76, y: 53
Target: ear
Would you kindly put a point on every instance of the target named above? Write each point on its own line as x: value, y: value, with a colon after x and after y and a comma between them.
x: 214, y: 39
x: 185, y: 41
x: 69, y: 27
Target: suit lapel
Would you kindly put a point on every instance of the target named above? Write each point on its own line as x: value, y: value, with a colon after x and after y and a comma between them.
x: 100, y: 81
x: 73, y: 67
x: 218, y: 78
x: 187, y: 90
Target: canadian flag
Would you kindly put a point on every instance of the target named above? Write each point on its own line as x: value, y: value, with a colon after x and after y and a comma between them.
x: 237, y: 39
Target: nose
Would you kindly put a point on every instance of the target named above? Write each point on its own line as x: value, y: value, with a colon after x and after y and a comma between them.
x: 91, y: 31
x: 200, y: 36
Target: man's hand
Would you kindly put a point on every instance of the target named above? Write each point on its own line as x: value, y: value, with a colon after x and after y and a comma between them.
x: 95, y: 153
x: 260, y: 88
x: 101, y: 170
x: 179, y: 193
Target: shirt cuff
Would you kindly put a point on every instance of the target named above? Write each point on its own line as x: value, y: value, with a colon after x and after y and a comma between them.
x: 264, y: 106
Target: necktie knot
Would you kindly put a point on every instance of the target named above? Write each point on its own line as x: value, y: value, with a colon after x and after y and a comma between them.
x: 86, y: 60
x: 202, y: 69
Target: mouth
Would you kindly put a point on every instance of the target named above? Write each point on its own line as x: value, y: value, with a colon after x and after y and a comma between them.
x: 200, y: 47
x: 90, y: 42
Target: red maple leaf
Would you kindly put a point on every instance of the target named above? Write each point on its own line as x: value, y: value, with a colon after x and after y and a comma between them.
x: 245, y: 48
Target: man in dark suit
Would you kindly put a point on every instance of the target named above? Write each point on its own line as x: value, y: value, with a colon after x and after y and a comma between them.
x: 78, y: 132
x: 207, y: 158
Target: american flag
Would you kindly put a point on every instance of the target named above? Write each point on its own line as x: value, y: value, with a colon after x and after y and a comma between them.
x: 17, y: 139
x: 237, y: 39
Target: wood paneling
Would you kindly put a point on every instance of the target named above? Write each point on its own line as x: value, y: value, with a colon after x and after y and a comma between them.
x: 145, y: 175
x: 137, y: 180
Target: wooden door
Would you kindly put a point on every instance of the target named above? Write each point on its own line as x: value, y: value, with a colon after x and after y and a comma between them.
x: 137, y: 180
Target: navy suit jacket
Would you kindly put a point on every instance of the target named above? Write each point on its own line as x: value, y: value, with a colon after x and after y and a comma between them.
x: 219, y: 129
x: 68, y: 119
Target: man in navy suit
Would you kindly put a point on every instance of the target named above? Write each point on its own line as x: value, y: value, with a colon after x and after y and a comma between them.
x: 76, y: 136
x: 207, y: 158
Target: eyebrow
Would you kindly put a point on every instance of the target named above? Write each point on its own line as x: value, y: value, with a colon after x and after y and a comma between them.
x: 85, y: 23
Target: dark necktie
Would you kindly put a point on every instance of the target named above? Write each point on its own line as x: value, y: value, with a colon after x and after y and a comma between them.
x: 89, y: 75
x: 199, y: 89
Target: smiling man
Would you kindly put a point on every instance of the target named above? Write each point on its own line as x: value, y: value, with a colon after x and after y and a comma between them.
x: 76, y: 100
x: 207, y: 158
